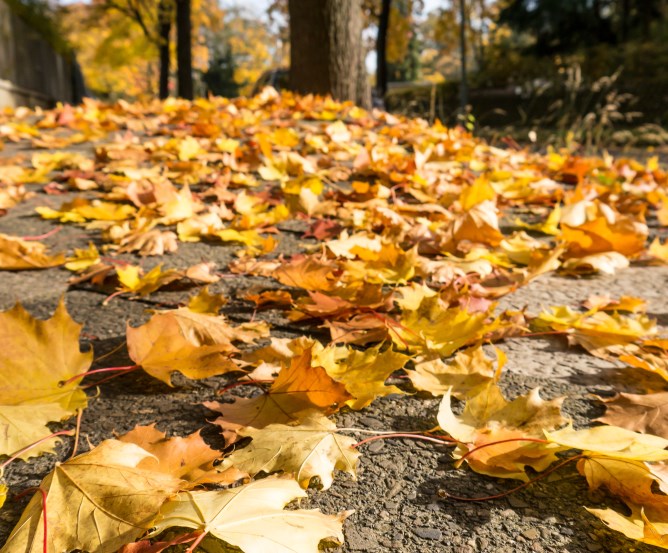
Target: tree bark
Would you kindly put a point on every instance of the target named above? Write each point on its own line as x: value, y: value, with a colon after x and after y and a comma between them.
x: 184, y: 49
x: 464, y: 85
x: 326, y: 50
x: 645, y: 9
x: 381, y: 49
x: 164, y: 29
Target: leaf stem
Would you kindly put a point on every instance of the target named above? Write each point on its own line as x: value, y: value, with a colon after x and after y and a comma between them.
x: 194, y: 544
x: 515, y: 489
x: 470, y: 452
x: 537, y: 334
x: 433, y: 439
x: 112, y: 296
x: 109, y: 353
x: 242, y: 383
x: 77, y: 433
x: 127, y: 368
x: 34, y: 444
x: 45, y: 542
x: 384, y: 432
x: 42, y: 236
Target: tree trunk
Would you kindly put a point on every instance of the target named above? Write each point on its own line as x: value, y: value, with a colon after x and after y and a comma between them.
x: 645, y: 9
x: 381, y: 49
x: 482, y: 35
x: 164, y: 29
x: 624, y: 17
x: 184, y: 49
x: 326, y: 50
x: 464, y: 86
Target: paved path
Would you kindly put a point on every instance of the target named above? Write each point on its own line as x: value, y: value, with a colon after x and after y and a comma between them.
x: 398, y: 498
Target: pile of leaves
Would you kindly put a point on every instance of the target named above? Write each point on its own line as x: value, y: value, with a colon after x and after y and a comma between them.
x: 409, y: 233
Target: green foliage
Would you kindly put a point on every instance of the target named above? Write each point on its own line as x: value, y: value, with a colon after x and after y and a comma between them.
x: 558, y: 26
x: 219, y: 79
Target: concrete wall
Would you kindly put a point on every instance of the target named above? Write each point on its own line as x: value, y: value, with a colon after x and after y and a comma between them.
x: 31, y: 72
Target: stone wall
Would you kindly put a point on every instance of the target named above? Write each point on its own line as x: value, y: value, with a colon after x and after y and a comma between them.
x: 31, y: 72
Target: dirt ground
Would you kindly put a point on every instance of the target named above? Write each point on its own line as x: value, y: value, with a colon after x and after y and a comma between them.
x: 399, y: 498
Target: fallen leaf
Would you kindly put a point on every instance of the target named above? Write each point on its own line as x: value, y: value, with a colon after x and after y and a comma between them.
x: 464, y: 373
x: 308, y: 273
x: 605, y: 262
x: 17, y: 254
x: 81, y: 210
x: 98, y: 501
x: 646, y: 413
x: 637, y: 526
x: 306, y: 450
x: 627, y: 479
x: 612, y: 441
x: 593, y: 227
x: 196, y: 344
x: 488, y: 420
x: 362, y: 372
x: 37, y: 357
x: 152, y: 242
x: 435, y: 327
x: 188, y: 459
x: 132, y: 279
x: 233, y: 516
x: 297, y: 390
x: 205, y: 302
x: 83, y: 259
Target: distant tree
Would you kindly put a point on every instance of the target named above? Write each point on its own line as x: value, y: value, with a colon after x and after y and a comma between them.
x: 219, y: 79
x: 326, y: 49
x: 241, y: 50
x: 560, y: 26
x: 152, y: 21
x: 141, y: 29
x: 403, y: 48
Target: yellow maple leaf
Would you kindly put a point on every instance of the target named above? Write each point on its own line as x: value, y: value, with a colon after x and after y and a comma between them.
x: 593, y: 227
x: 81, y: 210
x: 308, y: 449
x: 501, y: 438
x: 17, y: 254
x: 104, y: 485
x: 132, y: 280
x: 462, y: 375
x: 196, y: 344
x: 232, y: 516
x: 298, y: 389
x: 363, y: 372
x: 37, y: 358
x: 612, y: 441
x: 83, y: 259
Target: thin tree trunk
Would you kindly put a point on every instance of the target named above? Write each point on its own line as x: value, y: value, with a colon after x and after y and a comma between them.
x: 464, y: 86
x: 481, y: 36
x: 645, y: 9
x: 381, y: 49
x: 184, y: 49
x: 164, y: 29
x: 326, y: 52
x: 625, y: 19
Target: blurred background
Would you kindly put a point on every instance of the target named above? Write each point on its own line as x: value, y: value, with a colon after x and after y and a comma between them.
x: 532, y: 70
